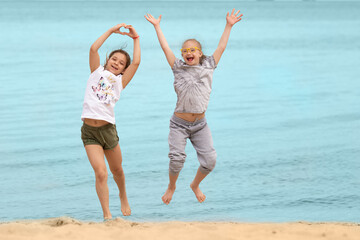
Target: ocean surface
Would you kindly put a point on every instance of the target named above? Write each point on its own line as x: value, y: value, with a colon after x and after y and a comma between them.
x: 284, y: 111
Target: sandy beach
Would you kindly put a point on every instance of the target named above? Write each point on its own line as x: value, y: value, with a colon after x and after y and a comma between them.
x: 67, y: 228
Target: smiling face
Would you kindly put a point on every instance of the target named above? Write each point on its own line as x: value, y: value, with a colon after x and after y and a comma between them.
x: 116, y: 63
x: 191, y: 57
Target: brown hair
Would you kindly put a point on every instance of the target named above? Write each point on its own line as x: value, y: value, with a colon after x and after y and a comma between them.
x: 199, y: 45
x: 128, y: 59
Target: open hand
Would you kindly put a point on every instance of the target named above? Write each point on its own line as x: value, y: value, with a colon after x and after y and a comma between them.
x: 233, y: 18
x: 153, y: 20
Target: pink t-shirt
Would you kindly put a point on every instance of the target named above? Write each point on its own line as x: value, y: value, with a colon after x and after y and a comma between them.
x: 102, y: 92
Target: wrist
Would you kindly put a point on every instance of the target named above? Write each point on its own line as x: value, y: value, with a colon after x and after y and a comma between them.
x: 135, y: 37
x: 110, y: 31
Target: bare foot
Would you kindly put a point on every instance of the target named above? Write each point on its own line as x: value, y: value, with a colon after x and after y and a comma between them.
x: 125, y: 207
x: 166, y: 198
x: 198, y: 193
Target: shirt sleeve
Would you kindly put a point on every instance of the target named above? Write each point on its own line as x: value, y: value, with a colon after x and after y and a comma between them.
x: 100, y: 68
x: 177, y: 64
x: 209, y: 62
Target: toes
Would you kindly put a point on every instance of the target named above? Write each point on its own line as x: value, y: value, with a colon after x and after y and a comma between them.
x: 126, y: 212
x: 199, y: 195
x: 202, y: 198
x: 166, y: 200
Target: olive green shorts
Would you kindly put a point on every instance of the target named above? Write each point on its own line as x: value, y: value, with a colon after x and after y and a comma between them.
x: 105, y: 136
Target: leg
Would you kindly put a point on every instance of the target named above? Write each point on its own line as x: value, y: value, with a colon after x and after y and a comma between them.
x: 203, y: 143
x: 114, y: 159
x: 95, y: 154
x: 195, y: 186
x: 166, y: 198
x: 177, y: 143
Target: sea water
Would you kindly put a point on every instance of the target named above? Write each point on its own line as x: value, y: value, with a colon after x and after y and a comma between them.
x: 284, y: 111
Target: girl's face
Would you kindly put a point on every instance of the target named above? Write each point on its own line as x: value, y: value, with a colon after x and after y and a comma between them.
x: 191, y: 53
x: 116, y: 63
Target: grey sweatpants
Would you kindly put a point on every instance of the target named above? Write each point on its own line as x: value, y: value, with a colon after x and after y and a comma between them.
x: 200, y: 136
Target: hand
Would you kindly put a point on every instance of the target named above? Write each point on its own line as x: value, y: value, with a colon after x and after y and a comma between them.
x: 116, y: 29
x: 132, y: 33
x: 153, y: 20
x: 233, y: 18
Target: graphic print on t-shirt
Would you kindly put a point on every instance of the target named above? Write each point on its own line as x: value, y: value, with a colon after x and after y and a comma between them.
x: 104, y: 91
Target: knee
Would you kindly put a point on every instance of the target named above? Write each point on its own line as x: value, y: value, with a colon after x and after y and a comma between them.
x: 176, y: 162
x: 208, y: 164
x: 117, y: 172
x: 101, y: 175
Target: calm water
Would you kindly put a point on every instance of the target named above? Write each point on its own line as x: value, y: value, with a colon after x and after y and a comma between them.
x: 284, y: 111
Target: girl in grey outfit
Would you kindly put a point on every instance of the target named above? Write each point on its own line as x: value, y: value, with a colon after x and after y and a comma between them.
x: 193, y: 79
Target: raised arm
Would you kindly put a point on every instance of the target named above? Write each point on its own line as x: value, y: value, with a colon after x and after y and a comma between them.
x: 230, y: 21
x: 94, y: 58
x: 170, y: 57
x: 132, y: 68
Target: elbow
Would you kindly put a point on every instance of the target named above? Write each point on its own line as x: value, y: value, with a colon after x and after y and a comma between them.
x: 135, y: 64
x: 136, y: 61
x: 219, y: 51
x: 222, y: 48
x: 93, y: 49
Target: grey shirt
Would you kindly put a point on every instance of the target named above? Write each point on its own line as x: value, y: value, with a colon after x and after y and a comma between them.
x: 193, y: 85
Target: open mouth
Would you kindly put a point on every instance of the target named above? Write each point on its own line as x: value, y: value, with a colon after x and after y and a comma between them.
x: 190, y: 59
x: 115, y: 68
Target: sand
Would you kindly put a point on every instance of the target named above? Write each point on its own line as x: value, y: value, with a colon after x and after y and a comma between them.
x: 67, y: 228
